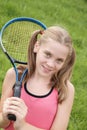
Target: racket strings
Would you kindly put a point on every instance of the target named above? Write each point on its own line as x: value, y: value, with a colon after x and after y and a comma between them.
x: 16, y: 38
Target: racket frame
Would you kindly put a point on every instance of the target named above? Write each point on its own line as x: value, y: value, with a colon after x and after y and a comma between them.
x: 18, y: 84
x: 12, y: 60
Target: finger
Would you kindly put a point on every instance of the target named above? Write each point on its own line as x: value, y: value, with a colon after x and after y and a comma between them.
x: 20, y: 113
x: 15, y: 99
x: 16, y: 106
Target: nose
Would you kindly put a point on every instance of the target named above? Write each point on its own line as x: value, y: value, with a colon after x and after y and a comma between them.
x: 51, y: 63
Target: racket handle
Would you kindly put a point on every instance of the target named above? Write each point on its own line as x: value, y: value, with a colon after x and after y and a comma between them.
x: 16, y: 93
x: 17, y: 89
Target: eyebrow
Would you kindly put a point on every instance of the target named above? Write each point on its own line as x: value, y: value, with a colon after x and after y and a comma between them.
x: 60, y: 59
x: 46, y: 51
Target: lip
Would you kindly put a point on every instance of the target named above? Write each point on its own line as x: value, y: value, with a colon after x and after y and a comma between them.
x: 46, y: 69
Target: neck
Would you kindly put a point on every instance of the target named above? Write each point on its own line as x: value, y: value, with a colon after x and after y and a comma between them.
x: 38, y: 84
x: 42, y: 79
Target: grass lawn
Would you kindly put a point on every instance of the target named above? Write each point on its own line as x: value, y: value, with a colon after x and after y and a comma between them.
x: 72, y: 15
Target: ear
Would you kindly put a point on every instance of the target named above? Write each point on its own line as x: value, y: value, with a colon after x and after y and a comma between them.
x: 36, y: 47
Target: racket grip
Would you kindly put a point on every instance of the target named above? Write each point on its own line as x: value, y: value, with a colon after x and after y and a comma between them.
x: 16, y: 93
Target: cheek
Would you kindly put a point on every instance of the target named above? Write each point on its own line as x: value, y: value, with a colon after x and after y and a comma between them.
x: 58, y: 67
x: 40, y: 58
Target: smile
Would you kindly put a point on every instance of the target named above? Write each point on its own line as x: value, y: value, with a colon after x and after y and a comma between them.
x: 47, y: 70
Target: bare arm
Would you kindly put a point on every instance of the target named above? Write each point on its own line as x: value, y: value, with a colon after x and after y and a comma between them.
x: 64, y: 110
x: 8, y: 83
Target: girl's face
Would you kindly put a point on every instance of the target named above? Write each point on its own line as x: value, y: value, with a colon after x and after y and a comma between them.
x: 50, y: 57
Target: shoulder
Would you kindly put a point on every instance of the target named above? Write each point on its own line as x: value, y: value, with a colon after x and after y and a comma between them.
x: 71, y: 89
x: 10, y: 72
x: 9, y: 79
x: 10, y: 75
x: 70, y: 95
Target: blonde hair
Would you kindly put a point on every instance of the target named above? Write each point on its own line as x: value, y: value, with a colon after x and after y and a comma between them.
x: 60, y: 35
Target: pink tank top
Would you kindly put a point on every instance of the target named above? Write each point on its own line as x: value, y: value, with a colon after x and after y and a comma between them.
x: 41, y: 109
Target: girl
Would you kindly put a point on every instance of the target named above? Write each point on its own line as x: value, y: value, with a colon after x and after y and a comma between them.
x: 47, y: 94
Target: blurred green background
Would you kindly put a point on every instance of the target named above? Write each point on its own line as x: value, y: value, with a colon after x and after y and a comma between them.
x: 72, y: 14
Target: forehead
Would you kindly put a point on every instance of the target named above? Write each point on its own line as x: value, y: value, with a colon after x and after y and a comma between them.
x: 55, y: 48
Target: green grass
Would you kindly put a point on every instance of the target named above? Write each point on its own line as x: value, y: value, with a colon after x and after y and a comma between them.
x: 72, y: 15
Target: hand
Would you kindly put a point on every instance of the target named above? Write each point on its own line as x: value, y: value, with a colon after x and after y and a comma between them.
x: 16, y: 106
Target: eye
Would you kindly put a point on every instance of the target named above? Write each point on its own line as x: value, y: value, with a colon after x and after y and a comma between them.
x: 47, y: 54
x: 59, y: 61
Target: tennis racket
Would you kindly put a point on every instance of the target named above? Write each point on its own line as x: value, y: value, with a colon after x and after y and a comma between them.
x: 14, y: 39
